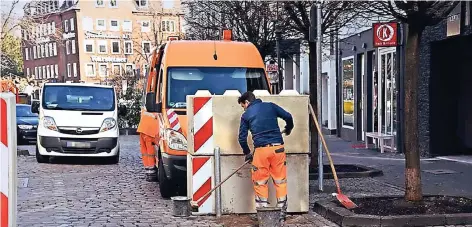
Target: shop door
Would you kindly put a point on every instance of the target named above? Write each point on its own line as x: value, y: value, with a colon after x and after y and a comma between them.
x: 387, y: 94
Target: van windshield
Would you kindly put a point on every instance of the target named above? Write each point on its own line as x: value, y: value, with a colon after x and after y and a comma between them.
x: 188, y: 80
x: 80, y: 98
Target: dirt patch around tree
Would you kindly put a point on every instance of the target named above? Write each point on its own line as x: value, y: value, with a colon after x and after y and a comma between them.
x: 399, y: 206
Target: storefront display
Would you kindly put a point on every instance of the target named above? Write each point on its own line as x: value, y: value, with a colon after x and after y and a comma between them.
x: 348, y: 92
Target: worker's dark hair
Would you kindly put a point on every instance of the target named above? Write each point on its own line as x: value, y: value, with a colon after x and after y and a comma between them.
x: 247, y: 96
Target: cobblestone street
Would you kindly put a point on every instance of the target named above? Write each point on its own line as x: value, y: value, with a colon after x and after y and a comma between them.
x: 82, y: 192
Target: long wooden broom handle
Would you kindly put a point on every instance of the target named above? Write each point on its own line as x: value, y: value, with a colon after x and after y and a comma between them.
x: 218, y: 185
x: 326, y: 148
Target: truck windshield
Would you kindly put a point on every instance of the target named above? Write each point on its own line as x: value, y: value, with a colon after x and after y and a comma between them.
x: 80, y: 98
x: 188, y: 80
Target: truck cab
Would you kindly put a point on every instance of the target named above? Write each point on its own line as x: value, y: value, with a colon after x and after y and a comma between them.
x: 181, y: 68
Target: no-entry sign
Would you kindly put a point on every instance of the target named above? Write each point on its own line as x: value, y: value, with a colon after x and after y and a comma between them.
x: 385, y: 34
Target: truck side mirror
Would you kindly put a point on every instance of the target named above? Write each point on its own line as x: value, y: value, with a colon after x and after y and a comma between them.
x: 35, y: 107
x: 151, y: 105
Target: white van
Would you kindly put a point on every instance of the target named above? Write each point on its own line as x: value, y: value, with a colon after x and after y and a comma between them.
x: 77, y: 119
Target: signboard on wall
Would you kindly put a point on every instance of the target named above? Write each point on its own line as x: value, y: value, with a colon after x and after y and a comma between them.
x: 108, y: 59
x: 385, y: 34
x: 272, y: 68
x: 170, y: 38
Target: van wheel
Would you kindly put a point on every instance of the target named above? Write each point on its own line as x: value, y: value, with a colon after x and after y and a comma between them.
x: 165, y: 185
x: 41, y: 158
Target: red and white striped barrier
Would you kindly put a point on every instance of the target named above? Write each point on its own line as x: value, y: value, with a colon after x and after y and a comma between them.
x: 202, y: 182
x: 8, y: 155
x: 203, y: 126
x: 174, y: 120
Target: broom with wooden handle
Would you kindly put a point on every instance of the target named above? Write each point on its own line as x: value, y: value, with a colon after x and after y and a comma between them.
x: 343, y: 199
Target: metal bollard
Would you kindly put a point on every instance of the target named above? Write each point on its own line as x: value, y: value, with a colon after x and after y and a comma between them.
x: 217, y: 181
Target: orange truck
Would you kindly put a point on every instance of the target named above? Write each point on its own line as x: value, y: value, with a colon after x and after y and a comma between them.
x: 181, y: 68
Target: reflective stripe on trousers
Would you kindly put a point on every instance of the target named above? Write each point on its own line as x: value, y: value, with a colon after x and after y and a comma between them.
x: 270, y: 162
x: 147, y: 151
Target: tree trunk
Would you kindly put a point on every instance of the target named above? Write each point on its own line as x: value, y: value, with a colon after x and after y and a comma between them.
x: 412, y: 156
x: 313, y: 96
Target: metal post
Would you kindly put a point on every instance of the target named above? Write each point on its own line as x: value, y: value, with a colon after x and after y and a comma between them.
x: 217, y: 181
x: 319, y: 92
x: 278, y: 34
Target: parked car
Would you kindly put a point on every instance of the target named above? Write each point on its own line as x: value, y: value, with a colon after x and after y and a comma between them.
x: 26, y: 124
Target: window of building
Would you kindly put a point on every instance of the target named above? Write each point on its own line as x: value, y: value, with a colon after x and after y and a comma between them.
x: 113, y: 4
x: 56, y: 70
x: 36, y: 72
x: 49, y: 29
x: 115, y: 47
x: 146, y: 45
x: 34, y: 52
x: 67, y: 47
x: 42, y: 51
x: 101, y: 24
x: 102, y: 46
x: 40, y: 73
x: 114, y: 26
x: 72, y: 43
x: 145, y: 26
x: 87, y: 24
x: 99, y: 3
x: 27, y: 72
x: 348, y: 92
x: 75, y: 69
x: 48, y: 71
x: 90, y: 69
x: 102, y: 69
x: 142, y: 3
x: 51, y: 50
x: 46, y: 48
x: 89, y: 46
x: 128, y: 47
x: 53, y: 27
x: 129, y: 69
x: 54, y: 48
x: 66, y: 25
x: 117, y: 69
x: 167, y: 4
x: 68, y: 70
x: 167, y: 26
x: 127, y: 26
x: 72, y: 26
x: 44, y: 72
x: 26, y: 54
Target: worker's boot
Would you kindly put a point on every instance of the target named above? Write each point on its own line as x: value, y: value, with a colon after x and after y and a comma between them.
x: 150, y: 175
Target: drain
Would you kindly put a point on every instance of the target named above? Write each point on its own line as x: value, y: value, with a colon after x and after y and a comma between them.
x: 23, y: 182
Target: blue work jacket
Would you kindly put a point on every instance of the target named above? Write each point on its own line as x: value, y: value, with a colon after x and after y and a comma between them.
x: 261, y: 119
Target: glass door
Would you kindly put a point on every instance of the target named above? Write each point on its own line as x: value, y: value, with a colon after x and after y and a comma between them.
x: 387, y: 104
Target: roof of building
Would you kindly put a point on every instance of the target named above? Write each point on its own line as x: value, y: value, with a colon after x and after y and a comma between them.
x: 201, y: 53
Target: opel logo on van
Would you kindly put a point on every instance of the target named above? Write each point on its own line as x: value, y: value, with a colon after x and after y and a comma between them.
x: 79, y: 130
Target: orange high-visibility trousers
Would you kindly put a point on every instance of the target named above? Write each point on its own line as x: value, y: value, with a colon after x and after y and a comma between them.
x: 147, y: 152
x: 268, y: 162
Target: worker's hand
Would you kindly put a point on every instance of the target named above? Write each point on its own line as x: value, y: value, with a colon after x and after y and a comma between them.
x: 248, y: 157
x: 287, y: 132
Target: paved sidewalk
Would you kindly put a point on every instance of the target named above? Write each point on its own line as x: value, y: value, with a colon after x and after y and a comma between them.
x: 439, y: 176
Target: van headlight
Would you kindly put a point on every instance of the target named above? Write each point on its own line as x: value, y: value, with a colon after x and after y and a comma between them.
x: 176, y: 140
x: 49, y: 123
x: 108, y: 124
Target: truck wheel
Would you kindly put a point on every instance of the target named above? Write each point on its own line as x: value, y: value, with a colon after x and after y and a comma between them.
x: 165, y: 185
x: 41, y: 158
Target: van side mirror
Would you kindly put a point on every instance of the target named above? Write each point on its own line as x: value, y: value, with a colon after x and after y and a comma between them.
x: 151, y: 105
x: 122, y: 111
x: 35, y: 107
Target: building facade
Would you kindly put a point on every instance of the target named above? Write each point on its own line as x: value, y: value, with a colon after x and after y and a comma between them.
x: 96, y: 41
x: 370, y: 91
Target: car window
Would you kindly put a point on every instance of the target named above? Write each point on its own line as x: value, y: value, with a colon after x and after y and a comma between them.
x: 25, y: 111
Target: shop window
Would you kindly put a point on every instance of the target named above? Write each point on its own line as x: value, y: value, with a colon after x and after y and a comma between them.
x: 348, y: 92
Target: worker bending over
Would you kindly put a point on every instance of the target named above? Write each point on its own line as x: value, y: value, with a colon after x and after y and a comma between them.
x: 148, y: 136
x: 269, y: 156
